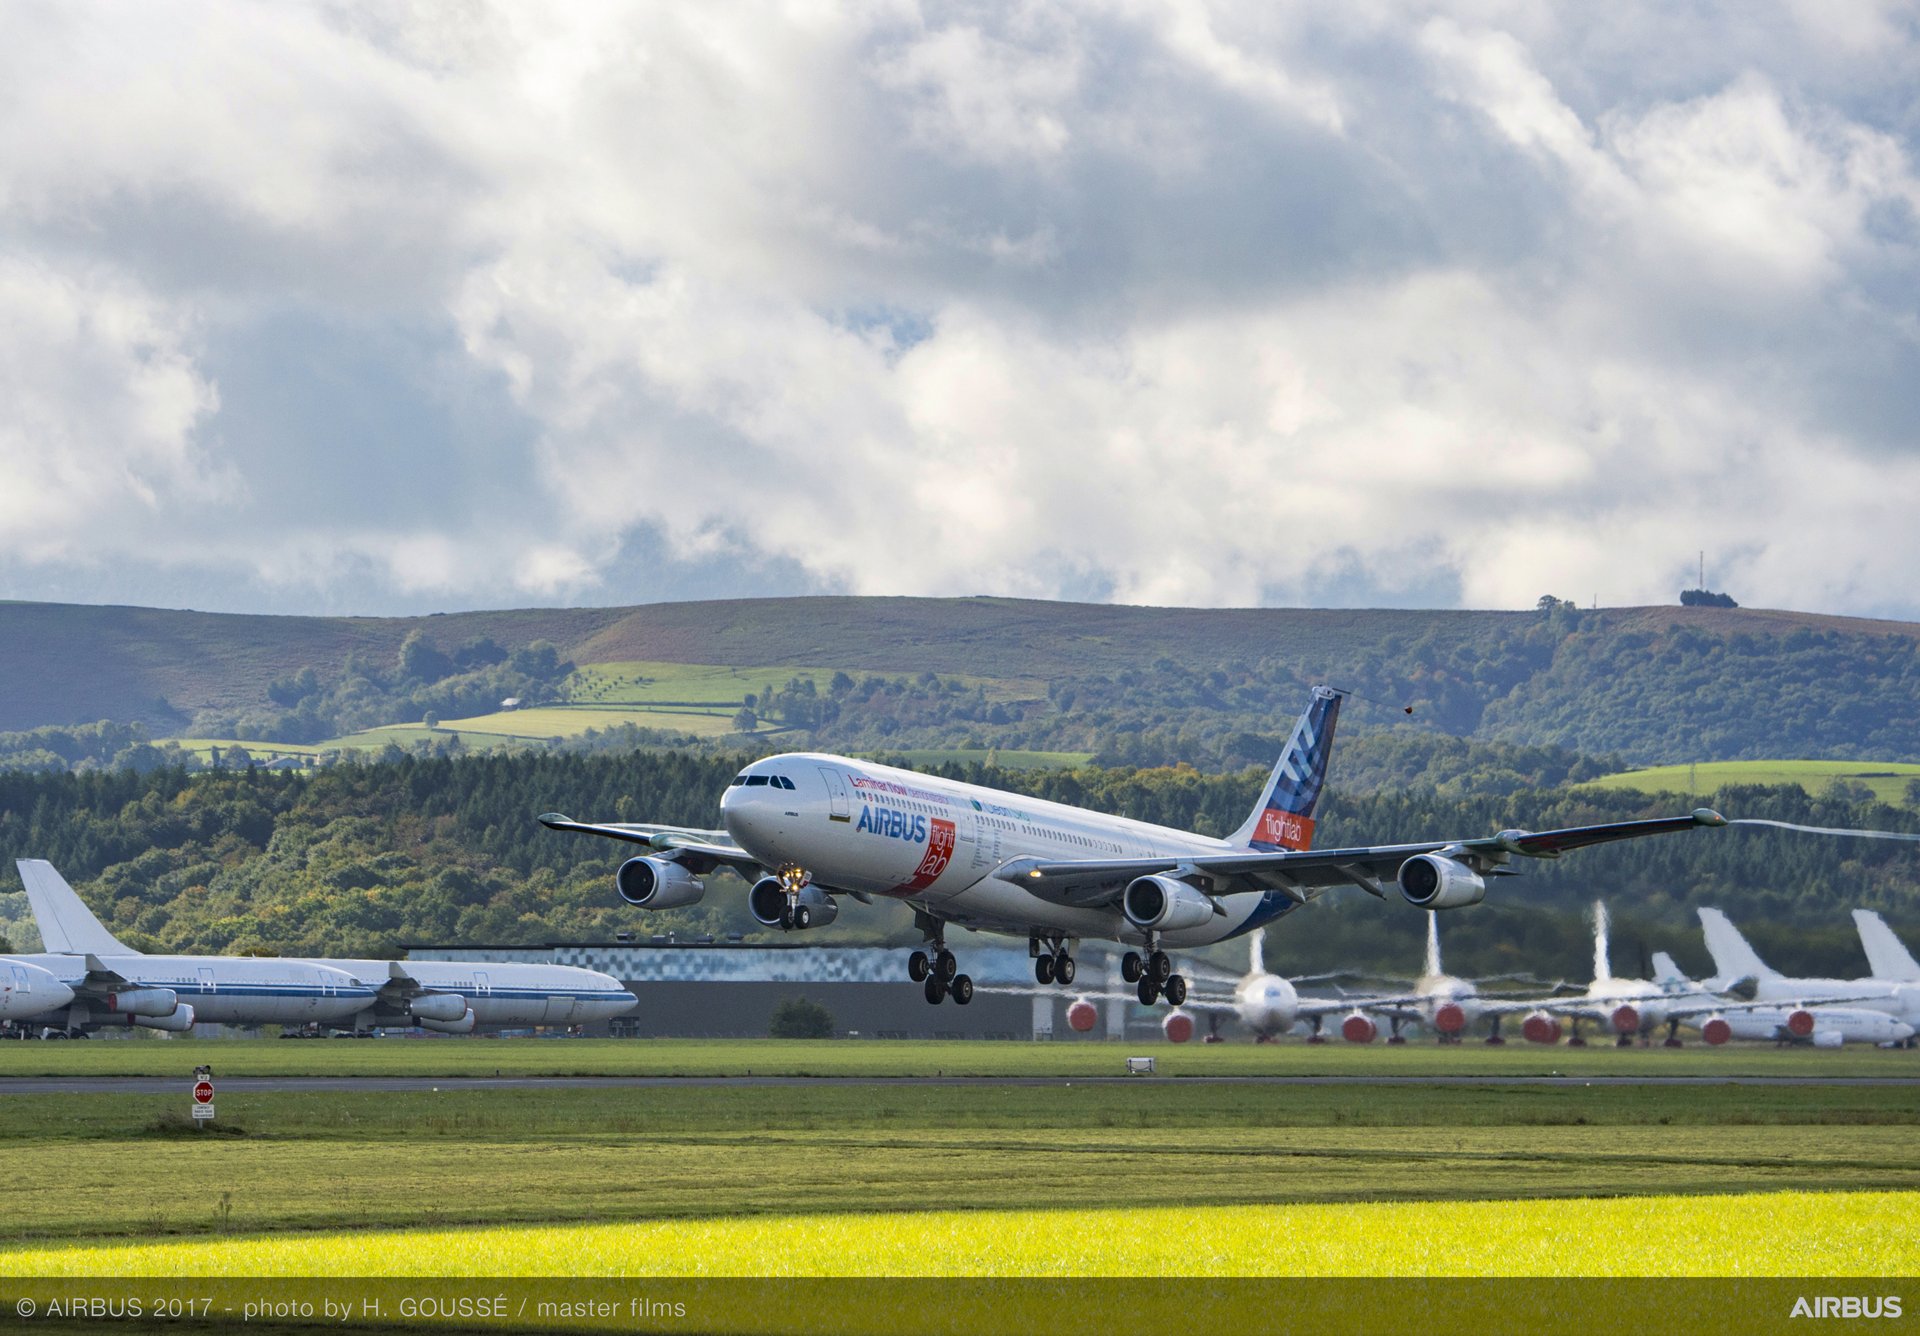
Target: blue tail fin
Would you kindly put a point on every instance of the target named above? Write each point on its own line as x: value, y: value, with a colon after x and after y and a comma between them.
x: 1284, y: 818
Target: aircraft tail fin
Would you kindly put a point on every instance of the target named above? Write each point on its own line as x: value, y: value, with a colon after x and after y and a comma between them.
x: 1666, y: 971
x: 1257, y: 943
x: 1887, y: 955
x: 1733, y: 957
x: 67, y: 926
x: 1284, y: 818
x: 1433, y: 944
x: 1602, y: 962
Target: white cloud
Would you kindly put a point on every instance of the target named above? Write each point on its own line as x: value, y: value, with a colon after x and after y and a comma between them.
x: 1178, y: 304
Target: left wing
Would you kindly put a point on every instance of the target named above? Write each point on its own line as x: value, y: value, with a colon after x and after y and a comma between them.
x: 699, y: 851
x: 1300, y: 873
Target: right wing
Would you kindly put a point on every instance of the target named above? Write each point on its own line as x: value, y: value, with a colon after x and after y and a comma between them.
x: 699, y: 851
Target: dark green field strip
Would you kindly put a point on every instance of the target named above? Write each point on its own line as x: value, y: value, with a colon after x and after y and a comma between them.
x: 876, y: 1058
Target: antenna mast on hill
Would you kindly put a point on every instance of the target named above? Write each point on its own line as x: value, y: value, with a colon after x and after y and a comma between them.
x: 1703, y: 569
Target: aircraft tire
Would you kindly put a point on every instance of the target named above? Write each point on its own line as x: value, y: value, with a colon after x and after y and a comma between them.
x: 962, y: 989
x: 1132, y: 967
x: 802, y: 917
x: 945, y: 967
x: 936, y: 990
x: 1148, y: 992
x: 1177, y: 989
x: 1160, y: 966
x: 1043, y: 969
x: 919, y: 967
x: 1063, y: 969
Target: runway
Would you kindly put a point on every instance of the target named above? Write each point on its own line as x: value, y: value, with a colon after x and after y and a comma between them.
x: 155, y: 1085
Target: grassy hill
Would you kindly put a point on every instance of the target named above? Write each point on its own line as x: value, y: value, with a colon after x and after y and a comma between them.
x: 1660, y: 685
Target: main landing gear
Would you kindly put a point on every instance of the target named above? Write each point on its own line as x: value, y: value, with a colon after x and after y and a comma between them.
x: 940, y: 972
x: 1052, y: 960
x: 1153, y: 973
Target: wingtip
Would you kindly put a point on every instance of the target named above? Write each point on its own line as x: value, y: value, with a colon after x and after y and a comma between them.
x: 555, y: 819
x: 1706, y: 816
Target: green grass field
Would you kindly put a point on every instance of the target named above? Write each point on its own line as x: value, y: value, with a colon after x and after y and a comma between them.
x: 884, y: 1058
x: 1887, y: 779
x: 1787, y: 1234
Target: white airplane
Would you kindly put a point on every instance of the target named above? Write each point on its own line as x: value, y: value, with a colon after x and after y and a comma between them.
x: 1444, y: 1003
x: 1734, y: 959
x: 453, y: 997
x: 807, y: 827
x: 1823, y: 1025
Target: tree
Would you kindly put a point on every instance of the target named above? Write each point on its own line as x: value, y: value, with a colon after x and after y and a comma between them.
x: 801, y: 1018
x: 745, y: 721
x: 421, y: 660
x: 430, y: 721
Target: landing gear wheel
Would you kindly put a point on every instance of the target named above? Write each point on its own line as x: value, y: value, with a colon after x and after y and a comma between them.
x: 919, y: 967
x: 1063, y: 969
x: 935, y: 991
x: 1148, y: 992
x: 945, y: 966
x: 802, y: 917
x: 962, y: 989
x: 1043, y: 969
x: 1176, y: 989
x: 1160, y: 966
x: 1131, y: 967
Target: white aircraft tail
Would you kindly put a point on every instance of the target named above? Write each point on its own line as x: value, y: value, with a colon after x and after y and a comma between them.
x: 1887, y: 955
x: 67, y: 926
x: 1433, y: 944
x: 1666, y: 972
x: 1257, y: 942
x: 1602, y: 966
x: 1733, y: 958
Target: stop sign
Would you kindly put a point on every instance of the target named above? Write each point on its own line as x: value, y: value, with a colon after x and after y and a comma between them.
x: 203, y: 1092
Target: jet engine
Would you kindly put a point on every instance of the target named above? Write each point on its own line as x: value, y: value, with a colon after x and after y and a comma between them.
x: 1625, y: 1019
x: 437, y: 1007
x: 180, y: 1019
x: 1716, y: 1030
x: 657, y: 883
x: 767, y: 902
x: 1540, y: 1027
x: 1828, y: 1039
x: 1162, y: 904
x: 464, y: 1025
x: 139, y: 1002
x: 1429, y: 881
x: 1800, y: 1023
x: 1082, y: 1015
x: 1177, y: 1027
x: 1450, y: 1018
x: 1358, y: 1029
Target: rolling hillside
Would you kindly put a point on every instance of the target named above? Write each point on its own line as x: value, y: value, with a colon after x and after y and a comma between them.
x: 1665, y: 685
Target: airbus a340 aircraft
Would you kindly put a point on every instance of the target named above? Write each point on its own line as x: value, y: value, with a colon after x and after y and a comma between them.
x: 107, y: 982
x: 806, y: 827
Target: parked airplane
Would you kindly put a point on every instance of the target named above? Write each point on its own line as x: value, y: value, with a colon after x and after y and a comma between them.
x: 1887, y: 956
x: 453, y: 997
x: 807, y: 827
x: 1734, y: 959
x: 1444, y: 1003
x: 1824, y: 1025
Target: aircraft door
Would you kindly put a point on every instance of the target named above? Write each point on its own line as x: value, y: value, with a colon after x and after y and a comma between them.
x: 838, y: 803
x: 206, y: 980
x: 482, y: 983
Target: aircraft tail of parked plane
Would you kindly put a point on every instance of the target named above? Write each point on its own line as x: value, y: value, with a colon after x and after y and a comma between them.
x: 1733, y: 958
x: 67, y: 926
x: 1887, y: 956
x: 1284, y: 817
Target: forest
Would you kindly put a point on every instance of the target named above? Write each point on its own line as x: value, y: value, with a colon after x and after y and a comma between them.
x: 367, y: 857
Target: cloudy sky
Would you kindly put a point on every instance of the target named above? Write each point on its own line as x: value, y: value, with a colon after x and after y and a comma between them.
x: 376, y: 307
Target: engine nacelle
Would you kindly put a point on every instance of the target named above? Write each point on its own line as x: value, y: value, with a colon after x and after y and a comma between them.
x: 1177, y: 1027
x: 1358, y: 1029
x: 1449, y: 1018
x: 437, y: 1007
x: 1800, y: 1022
x: 1429, y: 881
x: 657, y: 883
x: 1828, y: 1039
x: 1716, y: 1030
x: 1082, y: 1015
x: 767, y: 902
x: 1625, y: 1019
x: 138, y: 1002
x: 1540, y: 1027
x: 179, y: 1020
x: 464, y: 1025
x: 1162, y: 904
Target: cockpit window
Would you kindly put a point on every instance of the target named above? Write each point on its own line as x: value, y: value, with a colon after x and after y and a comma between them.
x: 756, y: 781
x: 783, y: 781
x: 736, y: 781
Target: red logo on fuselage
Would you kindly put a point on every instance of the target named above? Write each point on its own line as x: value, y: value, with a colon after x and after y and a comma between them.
x: 1284, y: 829
x: 940, y: 841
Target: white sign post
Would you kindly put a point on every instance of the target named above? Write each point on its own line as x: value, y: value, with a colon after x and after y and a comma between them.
x: 202, y: 1097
